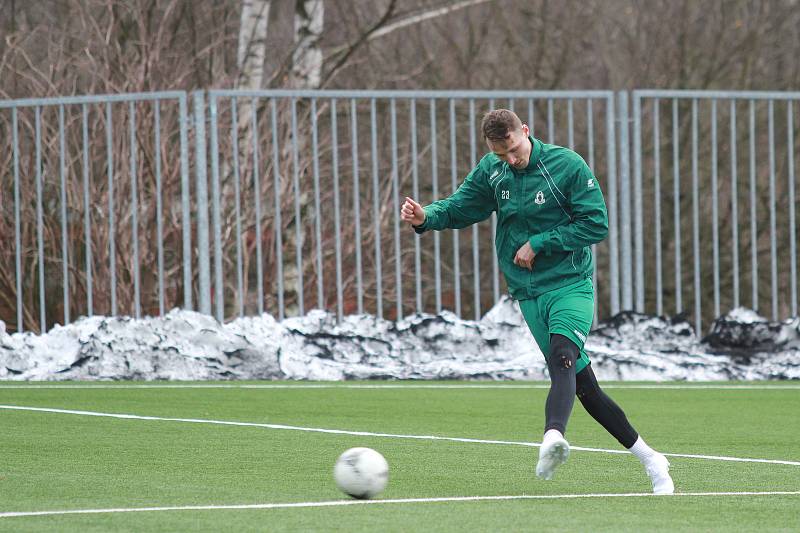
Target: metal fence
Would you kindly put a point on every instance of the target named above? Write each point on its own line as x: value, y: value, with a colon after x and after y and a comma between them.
x: 99, y: 187
x: 294, y: 201
x: 340, y: 163
x: 728, y: 158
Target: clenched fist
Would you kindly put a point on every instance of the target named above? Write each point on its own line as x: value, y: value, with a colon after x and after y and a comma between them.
x: 412, y: 212
x: 525, y: 256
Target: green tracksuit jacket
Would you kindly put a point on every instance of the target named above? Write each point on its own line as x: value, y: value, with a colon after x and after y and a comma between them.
x: 555, y: 204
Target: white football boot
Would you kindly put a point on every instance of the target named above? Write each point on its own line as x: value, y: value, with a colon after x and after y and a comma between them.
x: 552, y: 454
x: 657, y: 468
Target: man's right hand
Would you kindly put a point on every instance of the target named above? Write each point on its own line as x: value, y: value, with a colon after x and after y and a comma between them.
x: 412, y: 212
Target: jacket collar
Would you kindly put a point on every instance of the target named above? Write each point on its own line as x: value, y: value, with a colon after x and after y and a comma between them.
x: 536, y: 154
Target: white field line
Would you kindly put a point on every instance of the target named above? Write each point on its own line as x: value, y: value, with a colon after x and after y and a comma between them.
x: 372, y: 386
x: 371, y: 434
x: 340, y: 503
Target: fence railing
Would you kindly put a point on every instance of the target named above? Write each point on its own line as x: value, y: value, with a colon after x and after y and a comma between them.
x: 728, y: 159
x: 340, y: 163
x: 293, y: 201
x: 92, y: 179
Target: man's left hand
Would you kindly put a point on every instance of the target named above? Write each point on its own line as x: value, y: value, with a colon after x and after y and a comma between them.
x: 525, y: 256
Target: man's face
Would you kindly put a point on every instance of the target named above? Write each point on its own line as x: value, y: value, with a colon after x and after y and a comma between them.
x: 515, y: 150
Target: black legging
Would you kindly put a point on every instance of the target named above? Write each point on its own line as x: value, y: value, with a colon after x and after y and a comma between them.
x: 565, y: 385
x: 603, y: 409
x: 561, y: 365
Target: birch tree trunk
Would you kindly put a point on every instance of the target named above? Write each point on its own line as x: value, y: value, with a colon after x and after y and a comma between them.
x: 305, y: 72
x: 250, y: 56
x: 252, y: 43
x: 307, y: 56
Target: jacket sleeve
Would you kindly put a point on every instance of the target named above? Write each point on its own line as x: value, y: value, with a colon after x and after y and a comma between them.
x: 472, y: 202
x: 588, y: 217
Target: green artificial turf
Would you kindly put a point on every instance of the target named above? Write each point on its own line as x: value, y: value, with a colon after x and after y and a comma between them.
x: 58, y: 461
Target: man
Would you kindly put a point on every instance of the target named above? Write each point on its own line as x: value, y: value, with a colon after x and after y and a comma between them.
x: 550, y: 210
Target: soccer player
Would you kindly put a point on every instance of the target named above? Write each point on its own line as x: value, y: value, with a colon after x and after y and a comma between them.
x: 550, y: 210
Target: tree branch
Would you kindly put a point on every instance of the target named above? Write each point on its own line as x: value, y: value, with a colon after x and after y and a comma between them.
x: 358, y: 43
x: 427, y: 15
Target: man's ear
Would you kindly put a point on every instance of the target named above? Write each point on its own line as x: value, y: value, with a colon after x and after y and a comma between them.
x: 526, y: 130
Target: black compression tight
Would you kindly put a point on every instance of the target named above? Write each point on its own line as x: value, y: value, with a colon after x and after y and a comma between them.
x: 560, y: 399
x: 565, y: 385
x: 603, y: 409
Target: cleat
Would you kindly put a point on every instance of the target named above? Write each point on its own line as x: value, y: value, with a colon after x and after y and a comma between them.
x: 658, y: 471
x: 552, y: 454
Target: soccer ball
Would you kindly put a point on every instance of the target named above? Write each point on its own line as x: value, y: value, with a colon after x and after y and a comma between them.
x: 361, y: 473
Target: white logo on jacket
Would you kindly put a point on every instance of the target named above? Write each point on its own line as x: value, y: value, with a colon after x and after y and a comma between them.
x: 539, y: 198
x: 590, y: 183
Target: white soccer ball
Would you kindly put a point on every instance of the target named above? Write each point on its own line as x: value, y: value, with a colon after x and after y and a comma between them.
x: 361, y: 473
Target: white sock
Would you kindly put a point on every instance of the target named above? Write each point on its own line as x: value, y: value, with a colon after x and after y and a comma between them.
x: 552, y: 434
x: 641, y: 450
